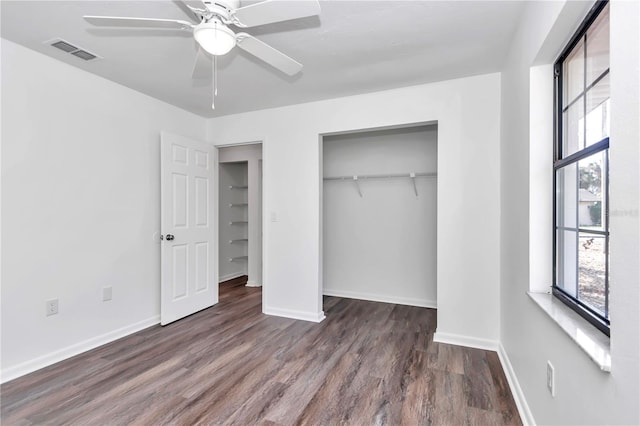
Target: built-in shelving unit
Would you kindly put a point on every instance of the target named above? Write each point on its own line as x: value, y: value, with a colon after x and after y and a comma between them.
x: 237, y: 207
x: 238, y: 258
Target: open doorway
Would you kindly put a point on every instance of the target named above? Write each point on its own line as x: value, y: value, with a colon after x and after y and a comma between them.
x: 380, y: 215
x: 240, y: 216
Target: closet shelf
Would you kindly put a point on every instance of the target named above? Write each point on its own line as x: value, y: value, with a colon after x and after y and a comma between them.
x: 235, y: 259
x: 357, y: 178
x: 238, y: 187
x: 238, y: 222
x: 239, y: 240
x: 238, y: 204
x: 383, y: 176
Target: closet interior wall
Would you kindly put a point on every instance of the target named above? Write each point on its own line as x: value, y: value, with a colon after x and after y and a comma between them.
x: 379, y: 237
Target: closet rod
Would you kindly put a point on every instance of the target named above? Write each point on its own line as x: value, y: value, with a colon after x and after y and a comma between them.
x: 357, y: 178
x: 382, y: 176
x: 233, y: 259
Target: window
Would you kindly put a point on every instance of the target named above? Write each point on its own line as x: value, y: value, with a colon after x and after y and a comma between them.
x: 581, y: 165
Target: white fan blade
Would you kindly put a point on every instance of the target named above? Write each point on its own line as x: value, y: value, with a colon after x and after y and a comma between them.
x: 190, y: 12
x: 268, y: 54
x: 195, y: 5
x: 270, y: 11
x: 202, y: 65
x: 116, y: 21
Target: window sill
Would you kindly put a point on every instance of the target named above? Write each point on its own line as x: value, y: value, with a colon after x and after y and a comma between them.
x: 588, y: 338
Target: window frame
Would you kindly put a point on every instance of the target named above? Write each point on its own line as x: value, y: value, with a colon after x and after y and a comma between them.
x: 601, y: 322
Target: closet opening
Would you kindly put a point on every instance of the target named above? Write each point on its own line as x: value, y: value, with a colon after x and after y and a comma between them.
x: 379, y: 215
x: 240, y: 216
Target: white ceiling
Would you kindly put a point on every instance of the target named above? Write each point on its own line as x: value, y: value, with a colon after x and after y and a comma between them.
x: 352, y: 47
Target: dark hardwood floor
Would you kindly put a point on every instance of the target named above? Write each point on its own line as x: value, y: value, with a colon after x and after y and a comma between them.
x: 366, y: 363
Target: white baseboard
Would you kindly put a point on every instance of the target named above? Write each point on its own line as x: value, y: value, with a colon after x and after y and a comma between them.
x: 231, y: 276
x: 299, y: 315
x: 461, y: 340
x: 518, y: 395
x: 252, y: 284
x: 75, y: 349
x: 423, y: 303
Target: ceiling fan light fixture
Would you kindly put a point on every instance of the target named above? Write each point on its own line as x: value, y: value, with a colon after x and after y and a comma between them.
x: 215, y: 37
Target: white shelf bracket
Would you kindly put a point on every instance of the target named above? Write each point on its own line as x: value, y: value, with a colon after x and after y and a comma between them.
x: 413, y: 179
x: 355, y: 180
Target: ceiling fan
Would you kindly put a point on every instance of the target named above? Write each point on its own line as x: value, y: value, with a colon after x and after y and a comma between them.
x: 212, y: 32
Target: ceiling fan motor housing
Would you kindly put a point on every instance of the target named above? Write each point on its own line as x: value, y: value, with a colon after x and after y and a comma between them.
x: 222, y: 9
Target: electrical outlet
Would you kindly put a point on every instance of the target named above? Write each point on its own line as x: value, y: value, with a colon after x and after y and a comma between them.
x: 551, y: 380
x: 106, y: 293
x: 274, y: 217
x: 52, y: 307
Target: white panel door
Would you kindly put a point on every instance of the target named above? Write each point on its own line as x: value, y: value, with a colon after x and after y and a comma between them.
x: 188, y: 221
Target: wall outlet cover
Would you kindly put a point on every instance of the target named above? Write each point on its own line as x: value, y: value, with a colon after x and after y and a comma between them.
x: 551, y: 380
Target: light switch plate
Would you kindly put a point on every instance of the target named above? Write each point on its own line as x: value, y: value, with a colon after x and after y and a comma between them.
x: 107, y: 293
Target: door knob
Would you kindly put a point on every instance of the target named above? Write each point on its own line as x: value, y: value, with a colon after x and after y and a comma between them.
x: 170, y: 237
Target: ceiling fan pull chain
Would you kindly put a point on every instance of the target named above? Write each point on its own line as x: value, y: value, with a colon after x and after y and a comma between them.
x: 215, y: 75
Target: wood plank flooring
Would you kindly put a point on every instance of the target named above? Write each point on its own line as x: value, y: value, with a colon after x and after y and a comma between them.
x: 367, y: 363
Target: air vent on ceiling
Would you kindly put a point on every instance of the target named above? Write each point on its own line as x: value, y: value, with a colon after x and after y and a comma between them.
x: 83, y: 54
x: 63, y: 45
x: 67, y: 47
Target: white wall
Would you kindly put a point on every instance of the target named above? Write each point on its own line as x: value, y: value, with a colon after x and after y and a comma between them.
x: 585, y: 395
x: 81, y: 204
x: 232, y: 174
x: 381, y: 246
x: 467, y: 113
